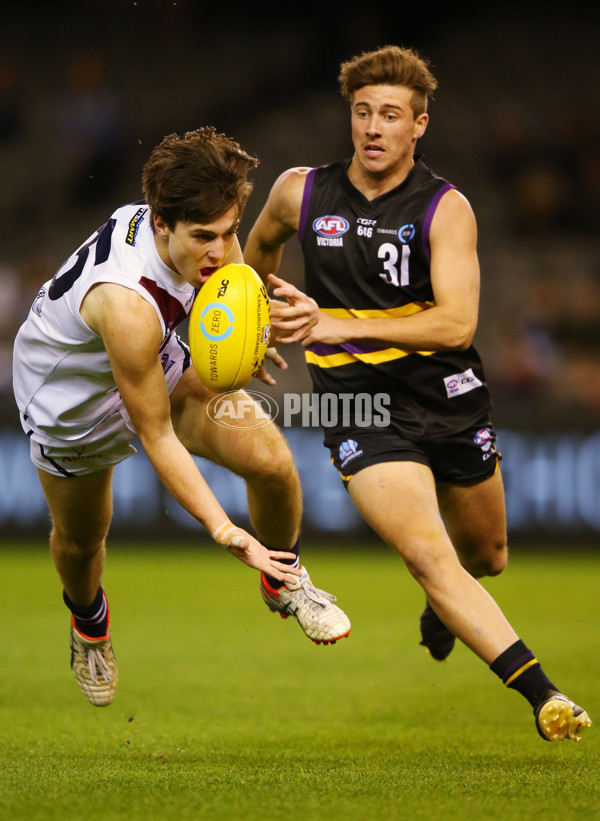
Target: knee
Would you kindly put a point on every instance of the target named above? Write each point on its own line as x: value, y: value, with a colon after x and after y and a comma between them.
x: 426, y: 564
x: 497, y: 561
x: 489, y: 560
x: 83, y: 545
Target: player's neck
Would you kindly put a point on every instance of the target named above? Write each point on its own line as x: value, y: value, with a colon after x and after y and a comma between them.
x: 373, y: 185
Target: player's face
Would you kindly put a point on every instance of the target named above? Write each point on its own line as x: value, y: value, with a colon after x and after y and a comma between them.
x: 384, y: 130
x: 195, y: 250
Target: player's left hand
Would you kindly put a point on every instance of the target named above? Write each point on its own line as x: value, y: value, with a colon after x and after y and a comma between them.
x: 277, y: 360
x: 293, y: 313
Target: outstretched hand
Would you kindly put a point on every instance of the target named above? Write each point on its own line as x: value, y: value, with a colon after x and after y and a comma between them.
x: 252, y: 553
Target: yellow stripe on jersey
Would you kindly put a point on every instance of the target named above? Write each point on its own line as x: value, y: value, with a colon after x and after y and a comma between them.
x: 334, y: 360
x: 379, y: 313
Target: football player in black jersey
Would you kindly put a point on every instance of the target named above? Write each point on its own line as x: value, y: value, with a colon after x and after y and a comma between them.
x: 391, y: 259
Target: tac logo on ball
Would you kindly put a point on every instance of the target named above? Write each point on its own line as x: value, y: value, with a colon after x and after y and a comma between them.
x: 216, y: 321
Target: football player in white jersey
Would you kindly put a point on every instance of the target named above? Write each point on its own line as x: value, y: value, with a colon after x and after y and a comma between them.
x: 97, y: 362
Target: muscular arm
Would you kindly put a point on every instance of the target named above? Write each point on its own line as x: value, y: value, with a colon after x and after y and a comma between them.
x: 451, y: 322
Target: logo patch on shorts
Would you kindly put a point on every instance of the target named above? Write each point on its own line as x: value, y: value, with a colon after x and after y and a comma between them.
x: 349, y: 450
x: 461, y: 383
x: 485, y: 439
x: 166, y: 362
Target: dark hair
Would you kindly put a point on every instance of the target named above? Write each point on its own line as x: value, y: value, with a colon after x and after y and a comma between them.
x: 389, y: 65
x: 197, y: 177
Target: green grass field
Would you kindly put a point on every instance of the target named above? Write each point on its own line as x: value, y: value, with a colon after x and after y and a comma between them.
x: 225, y: 711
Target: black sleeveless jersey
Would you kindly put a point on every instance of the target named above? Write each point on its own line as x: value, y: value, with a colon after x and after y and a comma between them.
x: 372, y: 259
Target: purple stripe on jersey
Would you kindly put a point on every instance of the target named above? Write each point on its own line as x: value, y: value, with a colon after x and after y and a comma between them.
x: 429, y: 217
x: 172, y: 311
x: 308, y: 187
x: 320, y: 349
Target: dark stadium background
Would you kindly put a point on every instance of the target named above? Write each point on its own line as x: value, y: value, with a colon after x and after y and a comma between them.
x: 87, y: 89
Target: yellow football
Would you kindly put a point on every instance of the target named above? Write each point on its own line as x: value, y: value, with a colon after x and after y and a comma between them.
x: 229, y: 328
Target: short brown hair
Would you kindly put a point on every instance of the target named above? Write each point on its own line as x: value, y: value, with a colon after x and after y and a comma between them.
x: 197, y: 177
x: 390, y: 65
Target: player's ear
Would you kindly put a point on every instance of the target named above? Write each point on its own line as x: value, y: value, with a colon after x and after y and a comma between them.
x: 160, y: 226
x: 421, y: 124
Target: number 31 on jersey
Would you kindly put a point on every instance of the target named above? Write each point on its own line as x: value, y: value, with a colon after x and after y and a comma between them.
x: 392, y: 274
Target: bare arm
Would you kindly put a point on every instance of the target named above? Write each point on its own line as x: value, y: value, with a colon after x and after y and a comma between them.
x: 293, y: 313
x: 132, y: 336
x: 451, y: 322
x: 277, y: 222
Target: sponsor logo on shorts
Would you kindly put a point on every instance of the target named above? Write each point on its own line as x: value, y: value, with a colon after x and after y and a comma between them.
x: 485, y: 439
x: 460, y: 383
x: 166, y: 362
x: 134, y: 225
x: 80, y: 455
x: 349, y: 450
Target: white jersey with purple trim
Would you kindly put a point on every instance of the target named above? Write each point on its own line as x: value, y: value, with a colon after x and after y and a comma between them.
x: 63, y: 382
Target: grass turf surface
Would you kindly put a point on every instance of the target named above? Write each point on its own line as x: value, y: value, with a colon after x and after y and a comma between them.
x: 225, y: 711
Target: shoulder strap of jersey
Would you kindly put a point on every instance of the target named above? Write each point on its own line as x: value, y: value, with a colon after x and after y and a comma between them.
x: 308, y: 187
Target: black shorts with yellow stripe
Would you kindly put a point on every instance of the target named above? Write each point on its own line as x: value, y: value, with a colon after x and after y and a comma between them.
x: 462, y: 458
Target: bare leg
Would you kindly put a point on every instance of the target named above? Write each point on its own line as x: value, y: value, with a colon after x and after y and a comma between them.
x: 81, y: 510
x: 398, y: 500
x: 475, y: 518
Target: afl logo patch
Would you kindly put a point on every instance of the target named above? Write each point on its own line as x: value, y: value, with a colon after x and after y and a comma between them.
x: 330, y: 226
x: 482, y: 436
x: 406, y: 233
